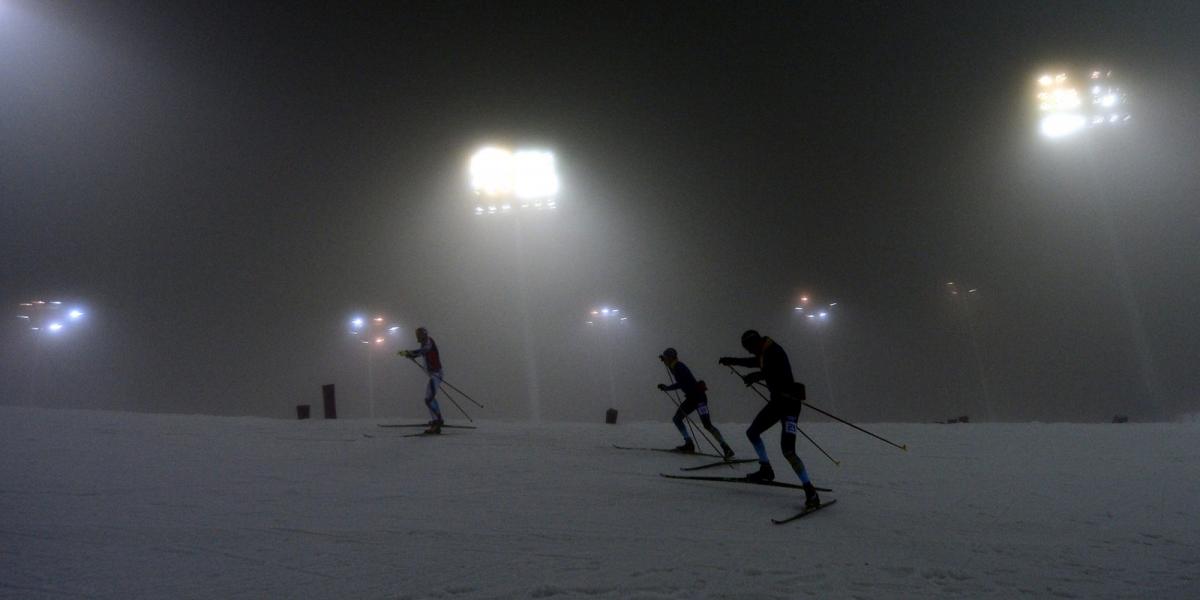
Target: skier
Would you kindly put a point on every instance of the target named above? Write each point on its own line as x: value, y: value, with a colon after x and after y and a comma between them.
x: 695, y: 399
x: 433, y: 368
x: 787, y: 395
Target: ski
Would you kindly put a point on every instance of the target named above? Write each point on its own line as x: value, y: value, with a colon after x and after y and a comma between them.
x: 427, y: 425
x: 802, y: 513
x: 720, y: 463
x: 668, y: 450
x: 741, y: 480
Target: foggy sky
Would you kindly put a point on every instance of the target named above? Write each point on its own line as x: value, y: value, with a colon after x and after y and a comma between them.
x: 224, y: 187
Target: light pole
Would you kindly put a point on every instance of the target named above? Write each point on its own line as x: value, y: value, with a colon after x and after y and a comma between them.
x: 964, y: 300
x: 376, y: 334
x: 48, y: 320
x: 819, y: 316
x: 510, y: 183
x: 610, y: 317
x: 1081, y: 122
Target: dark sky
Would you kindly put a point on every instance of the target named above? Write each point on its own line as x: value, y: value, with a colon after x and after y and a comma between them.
x: 224, y: 186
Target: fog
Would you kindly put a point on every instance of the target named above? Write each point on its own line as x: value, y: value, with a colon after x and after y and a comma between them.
x: 224, y: 188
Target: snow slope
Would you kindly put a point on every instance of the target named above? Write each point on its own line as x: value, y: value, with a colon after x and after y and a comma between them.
x: 111, y: 505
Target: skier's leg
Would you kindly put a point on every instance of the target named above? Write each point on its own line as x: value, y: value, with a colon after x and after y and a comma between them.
x: 684, y: 410
x: 762, y: 422
x: 787, y: 443
x: 431, y: 402
x: 706, y: 420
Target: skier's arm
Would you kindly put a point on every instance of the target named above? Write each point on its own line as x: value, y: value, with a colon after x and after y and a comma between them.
x: 750, y: 361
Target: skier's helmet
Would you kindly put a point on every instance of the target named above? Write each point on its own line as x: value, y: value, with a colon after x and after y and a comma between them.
x: 751, y: 341
x: 669, y: 354
x: 422, y: 334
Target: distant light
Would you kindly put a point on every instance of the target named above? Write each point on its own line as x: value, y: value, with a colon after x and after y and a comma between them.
x: 800, y: 308
x: 22, y: 316
x: 378, y: 340
x: 804, y: 299
x: 624, y: 318
x: 357, y: 322
x: 394, y: 329
x: 595, y: 312
x: 972, y: 290
x: 615, y: 311
x: 590, y: 323
x: 604, y: 310
x: 75, y: 314
x: 824, y: 314
x: 55, y: 326
x: 833, y: 304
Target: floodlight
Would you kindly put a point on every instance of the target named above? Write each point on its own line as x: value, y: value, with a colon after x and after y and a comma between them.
x: 55, y: 327
x: 491, y: 171
x: 75, y: 314
x: 1059, y: 125
x: 534, y: 174
x: 357, y: 322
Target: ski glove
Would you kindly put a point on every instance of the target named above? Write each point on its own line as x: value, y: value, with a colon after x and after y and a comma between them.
x: 662, y: 386
x: 405, y: 353
x: 726, y: 360
x: 749, y: 381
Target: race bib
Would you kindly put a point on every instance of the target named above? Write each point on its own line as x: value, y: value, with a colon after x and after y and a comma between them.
x: 789, y: 425
x: 702, y: 409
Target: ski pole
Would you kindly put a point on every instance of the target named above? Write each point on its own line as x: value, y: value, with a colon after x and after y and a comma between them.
x: 835, y: 461
x: 460, y: 409
x: 445, y: 383
x: 845, y: 422
x: 838, y: 419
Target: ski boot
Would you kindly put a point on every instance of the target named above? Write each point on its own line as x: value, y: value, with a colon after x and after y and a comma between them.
x: 435, y: 427
x: 727, y: 451
x: 687, y: 448
x: 811, y: 499
x: 764, y: 473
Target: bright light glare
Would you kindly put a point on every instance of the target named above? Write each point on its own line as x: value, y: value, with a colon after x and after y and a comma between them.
x: 357, y: 322
x: 75, y: 314
x: 491, y: 171
x: 534, y: 174
x: 1059, y: 125
x: 55, y: 326
x: 499, y: 175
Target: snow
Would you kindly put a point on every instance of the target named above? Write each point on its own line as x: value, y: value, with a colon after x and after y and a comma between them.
x: 114, y: 505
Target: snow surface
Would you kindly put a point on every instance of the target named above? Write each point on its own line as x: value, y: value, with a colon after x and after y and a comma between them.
x: 112, y: 505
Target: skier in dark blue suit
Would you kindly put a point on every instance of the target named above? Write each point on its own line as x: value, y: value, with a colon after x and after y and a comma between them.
x: 695, y: 398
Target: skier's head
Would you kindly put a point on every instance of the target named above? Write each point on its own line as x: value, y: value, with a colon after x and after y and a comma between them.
x: 422, y: 334
x: 752, y: 342
x: 669, y: 356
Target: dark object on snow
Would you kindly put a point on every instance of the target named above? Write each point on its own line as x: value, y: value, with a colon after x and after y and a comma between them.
x: 1120, y: 419
x: 330, y: 401
x: 962, y: 419
x: 610, y: 416
x: 302, y: 411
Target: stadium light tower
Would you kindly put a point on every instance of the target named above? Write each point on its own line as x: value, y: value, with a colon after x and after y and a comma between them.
x: 1100, y: 104
x: 819, y: 315
x: 506, y: 181
x: 376, y: 334
x: 609, y: 317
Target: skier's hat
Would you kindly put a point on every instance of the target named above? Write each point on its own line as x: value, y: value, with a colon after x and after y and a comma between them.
x: 669, y: 353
